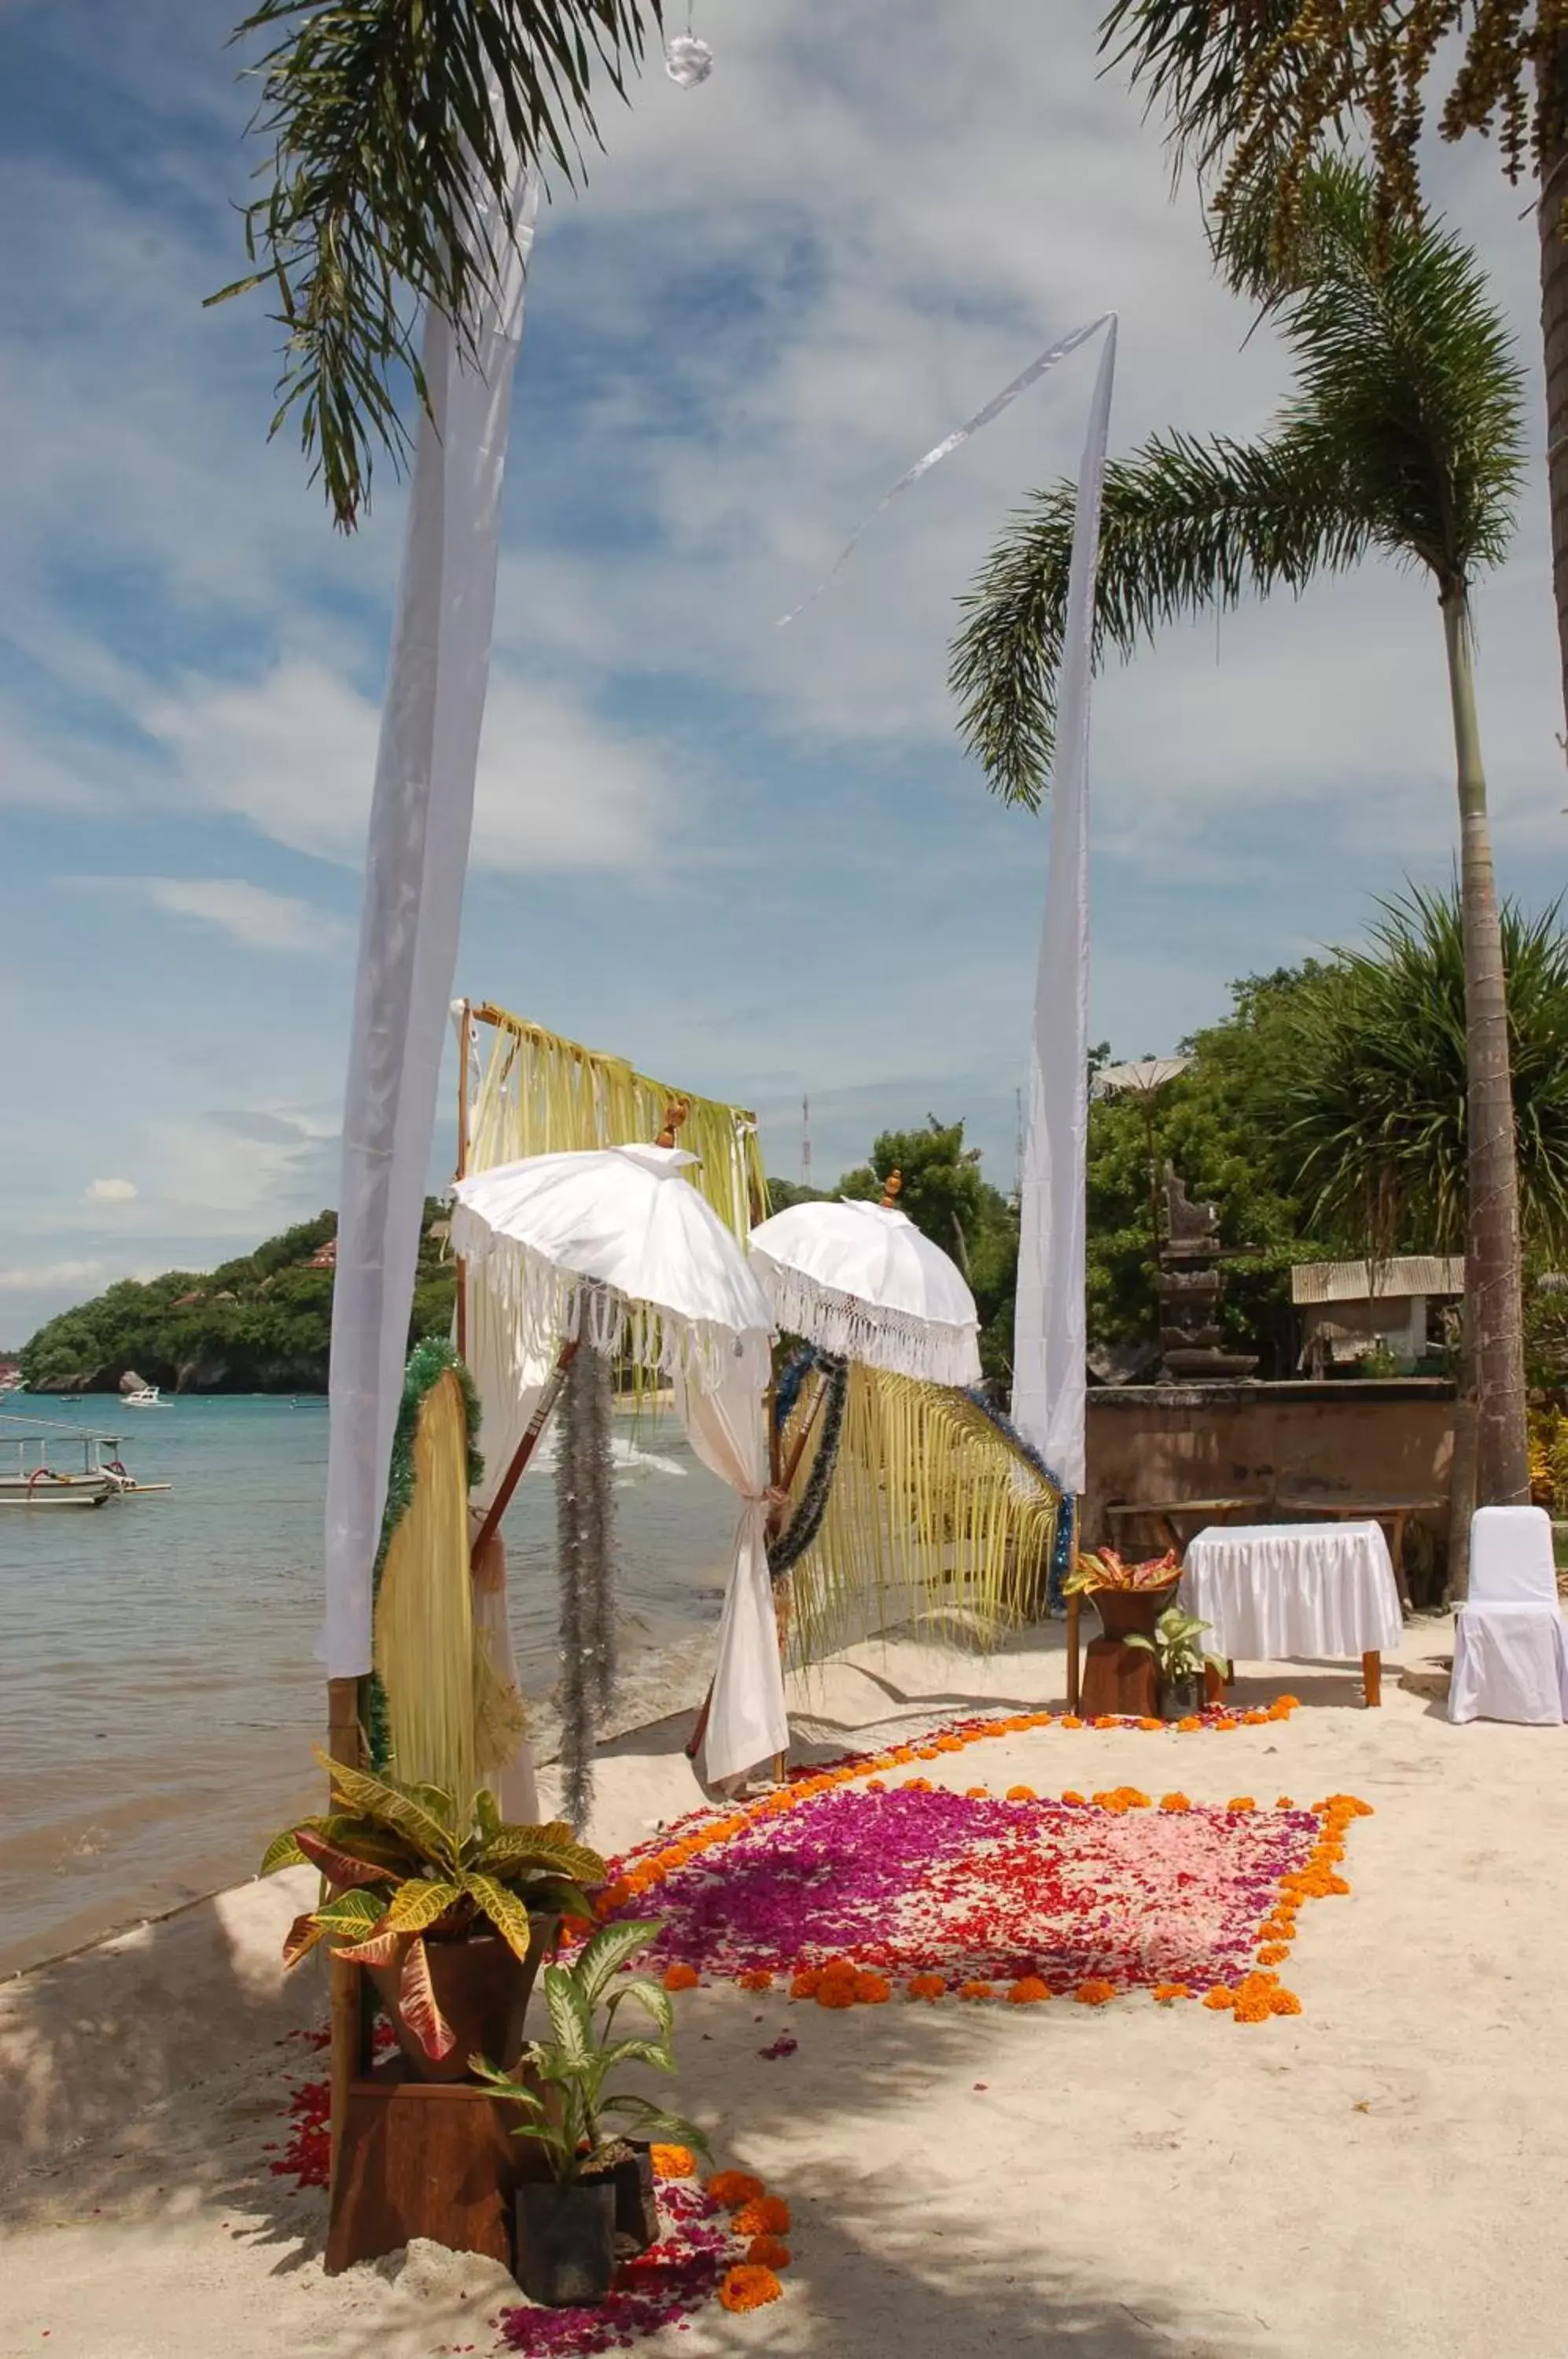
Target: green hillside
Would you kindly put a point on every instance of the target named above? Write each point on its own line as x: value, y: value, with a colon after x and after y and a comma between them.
x: 259, y: 1325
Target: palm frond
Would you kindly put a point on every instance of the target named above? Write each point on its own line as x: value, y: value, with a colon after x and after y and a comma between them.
x: 1200, y: 63
x: 1377, y: 1105
x: 1185, y: 524
x: 395, y: 127
x: 1404, y: 434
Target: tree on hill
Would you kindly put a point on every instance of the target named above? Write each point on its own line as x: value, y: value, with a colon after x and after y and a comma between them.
x: 260, y: 1322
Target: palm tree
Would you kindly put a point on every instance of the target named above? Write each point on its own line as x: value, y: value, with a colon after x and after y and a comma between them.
x: 1369, y: 1106
x: 1254, y: 89
x: 394, y: 127
x: 1403, y: 437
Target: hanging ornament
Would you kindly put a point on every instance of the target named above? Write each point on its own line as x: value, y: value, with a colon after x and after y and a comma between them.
x: 584, y: 1519
x: 687, y: 60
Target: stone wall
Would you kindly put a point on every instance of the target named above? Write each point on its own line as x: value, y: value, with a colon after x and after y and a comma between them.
x: 1357, y: 1439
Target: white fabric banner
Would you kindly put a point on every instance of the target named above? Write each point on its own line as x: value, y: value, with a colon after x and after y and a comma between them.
x: 416, y: 859
x: 1049, y: 1333
x: 748, y: 1719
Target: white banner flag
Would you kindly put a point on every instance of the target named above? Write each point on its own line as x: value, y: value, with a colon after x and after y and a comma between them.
x: 1049, y: 1329
x: 420, y: 819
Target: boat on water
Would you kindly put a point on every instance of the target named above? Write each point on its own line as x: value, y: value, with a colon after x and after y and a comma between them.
x: 145, y: 1396
x: 49, y: 1464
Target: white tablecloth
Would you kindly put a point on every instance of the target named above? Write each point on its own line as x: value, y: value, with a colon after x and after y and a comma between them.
x: 1268, y: 1591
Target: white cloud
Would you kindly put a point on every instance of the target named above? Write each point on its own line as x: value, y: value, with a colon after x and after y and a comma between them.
x: 249, y: 914
x: 110, y: 1192
x: 294, y: 753
x: 45, y: 1275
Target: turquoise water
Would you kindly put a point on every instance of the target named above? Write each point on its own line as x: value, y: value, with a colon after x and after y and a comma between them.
x: 158, y: 1691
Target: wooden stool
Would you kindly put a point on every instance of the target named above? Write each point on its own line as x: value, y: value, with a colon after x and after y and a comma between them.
x: 425, y: 2159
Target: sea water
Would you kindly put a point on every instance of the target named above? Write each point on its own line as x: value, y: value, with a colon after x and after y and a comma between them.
x: 159, y: 1692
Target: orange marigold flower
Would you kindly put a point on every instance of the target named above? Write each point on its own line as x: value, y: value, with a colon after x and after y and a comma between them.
x: 974, y: 1990
x: 1071, y: 1720
x: 1151, y: 1723
x: 1106, y: 1719
x: 1028, y: 1992
x: 1273, y: 1953
x: 673, y: 2161
x: 1165, y: 1992
x: 616, y: 1895
x: 1226, y: 1727
x: 1190, y: 1722
x: 1072, y: 1795
x: 1255, y: 1719
x: 925, y: 1986
x: 680, y: 1976
x: 756, y: 1978
x: 1219, y: 1997
x: 1174, y: 1802
x: 1240, y: 1802
x: 765, y: 2216
x: 1284, y: 2002
x: 901, y: 1753
x: 916, y: 1786
x: 731, y: 2189
x: 949, y: 1744
x: 876, y: 1785
x: 1021, y: 1794
x: 1283, y: 1802
x: 806, y: 1983
x: 872, y: 1989
x: 1286, y: 1703
x: 974, y: 1793
x: 831, y: 1992
x: 768, y: 2252
x: 925, y: 1751
x: 1095, y: 1993
x: 1254, y: 2008
x: 747, y: 2288
x: 841, y: 1970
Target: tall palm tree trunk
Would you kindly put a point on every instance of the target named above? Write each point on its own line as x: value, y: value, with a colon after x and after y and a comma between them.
x: 1553, y: 194
x: 1492, y: 1275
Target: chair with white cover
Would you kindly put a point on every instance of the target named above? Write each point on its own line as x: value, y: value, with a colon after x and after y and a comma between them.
x: 1511, y: 1651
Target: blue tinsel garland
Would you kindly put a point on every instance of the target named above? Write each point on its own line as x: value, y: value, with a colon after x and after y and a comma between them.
x: 1061, y: 1546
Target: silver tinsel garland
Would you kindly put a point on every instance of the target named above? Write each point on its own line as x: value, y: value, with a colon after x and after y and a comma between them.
x: 584, y: 1526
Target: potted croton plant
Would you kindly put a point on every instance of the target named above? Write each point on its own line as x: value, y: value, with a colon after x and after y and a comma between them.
x: 601, y: 2181
x: 1179, y: 1661
x: 449, y: 1909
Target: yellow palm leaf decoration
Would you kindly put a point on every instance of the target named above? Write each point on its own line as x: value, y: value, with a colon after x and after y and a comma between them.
x: 424, y: 1647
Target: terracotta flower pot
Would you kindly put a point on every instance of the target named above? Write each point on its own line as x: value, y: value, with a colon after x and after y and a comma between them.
x: 481, y: 1988
x: 1118, y: 1677
x: 566, y: 2241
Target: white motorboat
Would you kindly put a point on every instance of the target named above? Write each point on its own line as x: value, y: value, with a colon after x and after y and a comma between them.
x: 49, y: 1464
x: 145, y: 1396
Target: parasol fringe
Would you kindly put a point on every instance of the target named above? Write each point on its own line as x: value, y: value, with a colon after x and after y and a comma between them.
x: 552, y: 1307
x: 900, y: 1344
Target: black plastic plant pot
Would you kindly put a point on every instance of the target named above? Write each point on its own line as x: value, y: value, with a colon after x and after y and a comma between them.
x: 566, y: 2241
x: 1179, y: 1699
x: 637, y: 2197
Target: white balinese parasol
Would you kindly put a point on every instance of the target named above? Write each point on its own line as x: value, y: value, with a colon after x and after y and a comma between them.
x: 615, y: 1248
x: 861, y: 1281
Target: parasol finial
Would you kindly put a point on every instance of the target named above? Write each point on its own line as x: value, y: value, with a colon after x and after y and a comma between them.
x: 892, y: 1188
x: 675, y: 1114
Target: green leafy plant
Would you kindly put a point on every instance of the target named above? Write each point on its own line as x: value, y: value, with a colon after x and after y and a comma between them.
x: 1174, y: 1646
x: 568, y: 2114
x: 409, y: 1866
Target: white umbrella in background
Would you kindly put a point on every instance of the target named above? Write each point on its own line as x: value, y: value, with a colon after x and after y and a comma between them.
x: 614, y: 1247
x: 861, y: 1281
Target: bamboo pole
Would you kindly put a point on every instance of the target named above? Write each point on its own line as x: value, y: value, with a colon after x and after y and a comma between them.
x: 523, y: 1451
x: 344, y: 1980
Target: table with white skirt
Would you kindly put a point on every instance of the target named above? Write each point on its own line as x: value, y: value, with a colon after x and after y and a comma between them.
x: 1269, y: 1592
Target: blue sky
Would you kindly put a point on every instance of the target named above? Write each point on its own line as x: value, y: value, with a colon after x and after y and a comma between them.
x: 751, y: 860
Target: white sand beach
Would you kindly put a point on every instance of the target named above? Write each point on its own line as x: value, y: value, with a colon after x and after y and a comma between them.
x: 1381, y: 2174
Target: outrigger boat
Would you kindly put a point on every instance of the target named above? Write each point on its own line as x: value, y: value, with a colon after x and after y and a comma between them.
x: 34, y: 1479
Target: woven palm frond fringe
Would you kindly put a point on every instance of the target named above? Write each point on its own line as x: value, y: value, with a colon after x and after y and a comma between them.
x: 540, y: 1094
x: 934, y: 1515
x: 428, y: 1361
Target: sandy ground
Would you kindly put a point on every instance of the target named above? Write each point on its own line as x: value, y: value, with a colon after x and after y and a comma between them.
x: 1383, y: 2174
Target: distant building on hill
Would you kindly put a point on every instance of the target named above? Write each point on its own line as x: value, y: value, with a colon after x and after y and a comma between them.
x: 325, y: 1256
x: 1351, y: 1310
